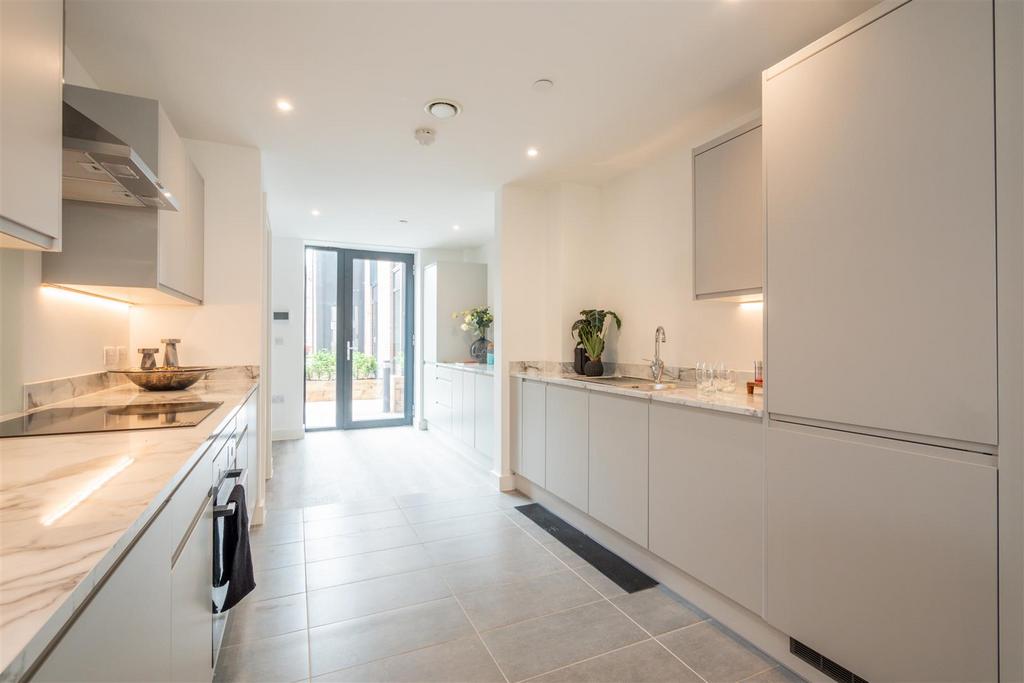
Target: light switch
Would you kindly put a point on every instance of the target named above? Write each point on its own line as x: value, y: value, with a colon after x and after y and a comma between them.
x: 277, y: 398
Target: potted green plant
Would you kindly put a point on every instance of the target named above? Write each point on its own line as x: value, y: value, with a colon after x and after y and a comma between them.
x: 590, y: 331
x: 477, y: 320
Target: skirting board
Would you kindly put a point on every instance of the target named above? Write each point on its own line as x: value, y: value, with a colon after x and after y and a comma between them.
x: 287, y: 434
x: 733, y: 615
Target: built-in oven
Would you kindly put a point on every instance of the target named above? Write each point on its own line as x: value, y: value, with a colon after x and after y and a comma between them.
x: 228, y: 472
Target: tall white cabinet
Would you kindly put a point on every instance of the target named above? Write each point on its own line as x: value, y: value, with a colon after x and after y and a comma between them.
x: 450, y: 287
x: 881, y: 338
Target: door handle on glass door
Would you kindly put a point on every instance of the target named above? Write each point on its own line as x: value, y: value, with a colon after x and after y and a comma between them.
x: 348, y: 351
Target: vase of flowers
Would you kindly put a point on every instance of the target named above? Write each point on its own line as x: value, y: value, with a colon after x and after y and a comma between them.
x: 589, y: 332
x: 477, y: 321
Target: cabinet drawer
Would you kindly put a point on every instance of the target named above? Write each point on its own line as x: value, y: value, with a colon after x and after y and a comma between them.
x: 190, y: 496
x: 443, y: 392
x: 443, y: 373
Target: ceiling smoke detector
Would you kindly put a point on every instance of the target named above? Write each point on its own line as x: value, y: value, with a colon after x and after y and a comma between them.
x: 424, y: 136
x: 443, y: 109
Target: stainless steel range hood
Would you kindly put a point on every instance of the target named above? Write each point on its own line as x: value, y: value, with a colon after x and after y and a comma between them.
x: 100, y: 166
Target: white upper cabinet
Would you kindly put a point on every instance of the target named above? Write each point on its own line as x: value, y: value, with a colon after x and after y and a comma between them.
x: 31, y: 62
x: 880, y: 185
x: 180, y: 233
x: 727, y: 216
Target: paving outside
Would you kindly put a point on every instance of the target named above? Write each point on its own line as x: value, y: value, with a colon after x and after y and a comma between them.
x: 431, y: 575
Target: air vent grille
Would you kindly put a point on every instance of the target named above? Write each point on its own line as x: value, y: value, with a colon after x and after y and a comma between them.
x: 822, y: 663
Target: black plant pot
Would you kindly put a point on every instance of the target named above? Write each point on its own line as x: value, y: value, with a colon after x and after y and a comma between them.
x: 579, y: 360
x: 593, y: 368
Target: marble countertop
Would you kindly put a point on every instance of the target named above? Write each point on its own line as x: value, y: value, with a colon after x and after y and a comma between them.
x: 738, y: 402
x: 478, y: 368
x: 48, y: 569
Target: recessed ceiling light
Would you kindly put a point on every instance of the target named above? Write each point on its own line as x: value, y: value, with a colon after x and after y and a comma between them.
x: 543, y: 84
x: 284, y: 105
x: 443, y: 109
x: 532, y: 152
x: 403, y: 220
x: 455, y: 227
x: 315, y: 212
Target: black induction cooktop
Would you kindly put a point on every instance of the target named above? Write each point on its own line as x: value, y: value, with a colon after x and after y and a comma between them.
x: 81, y: 419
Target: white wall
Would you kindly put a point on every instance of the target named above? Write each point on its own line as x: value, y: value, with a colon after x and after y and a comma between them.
x: 286, y: 360
x: 47, y: 333
x: 227, y: 328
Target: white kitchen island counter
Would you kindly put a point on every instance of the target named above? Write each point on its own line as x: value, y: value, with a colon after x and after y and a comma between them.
x: 111, y: 484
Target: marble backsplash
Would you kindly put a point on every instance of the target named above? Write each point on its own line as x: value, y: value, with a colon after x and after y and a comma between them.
x: 685, y: 376
x: 39, y: 394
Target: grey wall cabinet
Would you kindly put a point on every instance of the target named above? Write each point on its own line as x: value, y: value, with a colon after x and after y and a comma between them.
x: 532, y: 453
x: 707, y: 499
x: 618, y: 471
x: 728, y: 216
x: 124, y: 634
x: 31, y: 66
x: 566, y: 444
x: 873, y: 546
x: 881, y: 230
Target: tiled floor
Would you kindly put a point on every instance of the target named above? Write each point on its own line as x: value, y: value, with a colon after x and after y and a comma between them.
x: 445, y: 581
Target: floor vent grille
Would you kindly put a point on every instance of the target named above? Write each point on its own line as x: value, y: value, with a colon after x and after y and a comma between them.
x: 823, y: 663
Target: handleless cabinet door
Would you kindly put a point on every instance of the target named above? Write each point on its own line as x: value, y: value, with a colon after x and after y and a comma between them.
x: 880, y: 221
x: 31, y: 47
x: 483, y: 415
x: 707, y: 498
x: 191, y: 613
x: 566, y: 443
x: 532, y: 454
x: 468, y: 408
x: 618, y: 464
x: 881, y: 555
x: 124, y: 633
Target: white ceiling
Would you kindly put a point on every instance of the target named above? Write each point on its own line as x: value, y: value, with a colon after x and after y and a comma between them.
x: 359, y: 74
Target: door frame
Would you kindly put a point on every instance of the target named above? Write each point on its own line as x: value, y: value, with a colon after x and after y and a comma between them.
x: 343, y: 336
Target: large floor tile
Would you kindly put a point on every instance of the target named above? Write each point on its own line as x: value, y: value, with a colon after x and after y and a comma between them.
x: 457, y: 661
x: 276, y: 583
x: 342, y: 546
x: 497, y: 606
x: 276, y: 556
x: 657, y: 610
x: 645, y: 662
x: 360, y: 599
x: 283, y: 516
x: 358, y: 641
x: 253, y: 620
x: 354, y: 568
x: 444, y: 495
x: 462, y: 526
x: 501, y: 541
x: 456, y: 508
x: 714, y: 653
x: 779, y: 674
x: 599, y: 581
x: 340, y: 526
x: 500, y: 569
x: 348, y: 508
x: 281, y: 659
x: 275, y: 534
x: 539, y: 645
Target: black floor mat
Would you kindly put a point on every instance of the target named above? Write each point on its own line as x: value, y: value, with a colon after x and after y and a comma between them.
x: 628, y: 577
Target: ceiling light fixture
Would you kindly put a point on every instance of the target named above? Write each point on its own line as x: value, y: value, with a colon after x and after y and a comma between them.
x: 403, y: 220
x: 532, y: 152
x: 315, y: 212
x: 443, y: 109
x: 284, y: 105
x: 543, y: 84
x: 455, y: 228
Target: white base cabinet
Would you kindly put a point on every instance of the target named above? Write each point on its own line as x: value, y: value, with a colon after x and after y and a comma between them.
x: 707, y: 498
x: 566, y: 442
x: 460, y: 403
x: 533, y: 449
x: 881, y: 555
x: 123, y: 635
x: 191, y: 618
x: 483, y: 414
x: 618, y: 478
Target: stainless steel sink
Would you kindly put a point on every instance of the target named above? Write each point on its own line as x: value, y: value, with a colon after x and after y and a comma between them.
x: 636, y: 383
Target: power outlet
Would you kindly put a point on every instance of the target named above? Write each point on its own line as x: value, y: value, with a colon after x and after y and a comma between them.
x: 277, y: 398
x: 110, y: 356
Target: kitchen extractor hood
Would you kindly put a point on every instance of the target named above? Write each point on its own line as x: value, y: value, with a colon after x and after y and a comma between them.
x: 101, y: 162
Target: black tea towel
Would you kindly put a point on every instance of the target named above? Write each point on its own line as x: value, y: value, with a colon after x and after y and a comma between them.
x: 236, y: 570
